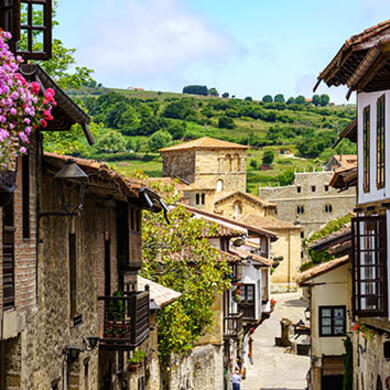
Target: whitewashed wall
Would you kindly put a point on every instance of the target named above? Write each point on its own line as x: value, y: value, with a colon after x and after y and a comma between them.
x: 363, y: 100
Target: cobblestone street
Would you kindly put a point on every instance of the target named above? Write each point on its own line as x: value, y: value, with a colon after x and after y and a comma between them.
x: 273, y: 368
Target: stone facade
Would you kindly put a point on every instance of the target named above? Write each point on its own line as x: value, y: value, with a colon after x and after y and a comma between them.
x: 308, y: 201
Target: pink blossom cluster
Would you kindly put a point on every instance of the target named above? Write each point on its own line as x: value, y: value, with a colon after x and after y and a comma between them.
x: 22, y: 106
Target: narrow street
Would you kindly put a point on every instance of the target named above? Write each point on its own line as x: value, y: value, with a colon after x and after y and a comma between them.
x: 273, y: 367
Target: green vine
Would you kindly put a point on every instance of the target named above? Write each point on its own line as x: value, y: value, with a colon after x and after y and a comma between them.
x: 178, y: 256
x: 348, y: 364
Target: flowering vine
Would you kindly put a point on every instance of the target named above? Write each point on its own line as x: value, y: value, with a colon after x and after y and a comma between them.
x: 237, y: 292
x: 366, y: 333
x: 22, y: 107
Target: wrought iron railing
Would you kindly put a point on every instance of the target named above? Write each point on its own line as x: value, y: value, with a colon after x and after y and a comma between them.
x: 232, y: 325
x: 248, y: 311
x: 125, y: 322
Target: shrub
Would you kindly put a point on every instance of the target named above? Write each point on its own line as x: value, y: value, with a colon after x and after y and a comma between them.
x: 268, y: 157
x: 224, y: 122
x: 253, y: 164
x: 159, y: 140
x: 111, y: 142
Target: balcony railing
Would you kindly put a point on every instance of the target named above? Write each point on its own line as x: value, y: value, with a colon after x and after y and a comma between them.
x: 125, y: 321
x: 248, y: 311
x: 232, y: 325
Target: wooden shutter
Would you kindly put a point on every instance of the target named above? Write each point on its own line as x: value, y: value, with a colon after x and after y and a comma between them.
x: 8, y: 256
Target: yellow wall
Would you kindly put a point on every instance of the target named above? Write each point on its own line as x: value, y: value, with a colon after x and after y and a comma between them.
x: 215, y: 335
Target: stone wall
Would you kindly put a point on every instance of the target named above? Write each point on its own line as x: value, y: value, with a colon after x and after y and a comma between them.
x: 203, y: 369
x: 289, y: 246
x: 314, y: 217
x: 179, y: 164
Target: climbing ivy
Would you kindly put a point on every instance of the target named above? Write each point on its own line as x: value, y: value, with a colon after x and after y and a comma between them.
x: 178, y: 256
x: 348, y: 364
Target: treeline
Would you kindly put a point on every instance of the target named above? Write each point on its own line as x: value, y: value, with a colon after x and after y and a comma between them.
x: 170, y: 119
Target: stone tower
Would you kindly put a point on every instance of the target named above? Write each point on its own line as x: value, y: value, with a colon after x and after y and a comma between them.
x: 208, y: 163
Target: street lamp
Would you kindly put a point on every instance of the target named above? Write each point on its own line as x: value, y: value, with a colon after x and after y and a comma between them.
x: 71, y: 172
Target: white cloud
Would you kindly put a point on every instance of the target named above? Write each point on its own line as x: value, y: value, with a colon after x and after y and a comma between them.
x: 145, y: 40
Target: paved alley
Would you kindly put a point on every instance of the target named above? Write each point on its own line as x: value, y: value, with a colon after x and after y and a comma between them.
x: 273, y: 368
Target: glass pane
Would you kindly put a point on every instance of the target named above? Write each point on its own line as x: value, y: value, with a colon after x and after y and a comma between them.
x: 38, y: 41
x: 338, y: 330
x: 250, y: 294
x: 326, y: 312
x: 326, y: 330
x: 22, y: 44
x: 326, y: 321
x: 339, y: 322
x: 339, y: 313
x: 23, y: 14
x: 37, y: 14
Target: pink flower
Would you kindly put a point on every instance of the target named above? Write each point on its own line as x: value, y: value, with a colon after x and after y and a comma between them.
x: 23, y: 150
x: 35, y: 87
x: 43, y: 123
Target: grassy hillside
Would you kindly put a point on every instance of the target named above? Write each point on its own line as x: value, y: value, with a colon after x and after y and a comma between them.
x: 299, y: 135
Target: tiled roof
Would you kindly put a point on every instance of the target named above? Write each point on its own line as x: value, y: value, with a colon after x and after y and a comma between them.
x: 321, y: 269
x: 163, y: 296
x: 251, y: 256
x: 251, y: 197
x: 173, y: 181
x: 230, y: 257
x: 346, y: 161
x: 222, y: 231
x: 269, y: 223
x: 343, y: 179
x: 128, y: 187
x: 233, y: 222
x: 204, y: 143
x: 332, y: 239
x: 356, y: 57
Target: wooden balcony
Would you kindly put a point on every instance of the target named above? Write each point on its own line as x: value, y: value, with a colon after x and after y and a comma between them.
x: 248, y: 311
x: 232, y: 325
x: 125, y: 322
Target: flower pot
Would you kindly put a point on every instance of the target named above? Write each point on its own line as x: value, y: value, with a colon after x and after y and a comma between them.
x: 133, y: 367
x: 7, y: 186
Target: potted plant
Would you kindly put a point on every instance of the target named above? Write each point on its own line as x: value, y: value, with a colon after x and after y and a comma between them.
x: 136, y: 360
x: 23, y: 108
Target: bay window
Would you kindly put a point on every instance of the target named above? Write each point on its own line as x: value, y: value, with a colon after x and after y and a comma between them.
x: 366, y: 149
x: 369, y: 266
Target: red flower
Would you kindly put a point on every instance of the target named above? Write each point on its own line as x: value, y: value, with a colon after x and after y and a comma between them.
x: 43, y: 123
x: 47, y: 115
x: 35, y: 87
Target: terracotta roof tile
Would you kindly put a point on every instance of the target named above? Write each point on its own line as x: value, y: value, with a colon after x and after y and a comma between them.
x: 321, y: 269
x: 204, y: 143
x: 251, y: 256
x: 270, y: 223
x: 251, y: 197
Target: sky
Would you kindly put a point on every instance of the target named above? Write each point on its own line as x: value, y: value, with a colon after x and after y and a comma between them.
x: 244, y: 47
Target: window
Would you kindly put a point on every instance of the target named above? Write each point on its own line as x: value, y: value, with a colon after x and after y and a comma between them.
x: 332, y: 321
x: 302, y: 234
x: 228, y: 163
x: 302, y: 255
x: 328, y: 208
x: 197, y: 198
x: 8, y: 255
x: 72, y: 274
x: 26, y: 195
x: 380, y: 142
x: 300, y: 210
x: 313, y: 188
x: 203, y: 198
x: 247, y: 304
x: 219, y: 185
x: 237, y: 208
x: 86, y: 374
x: 30, y: 22
x: 326, y: 188
x: 366, y: 149
x: 299, y: 189
x: 369, y: 266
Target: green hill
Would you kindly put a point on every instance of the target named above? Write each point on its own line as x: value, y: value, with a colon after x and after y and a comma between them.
x: 126, y: 123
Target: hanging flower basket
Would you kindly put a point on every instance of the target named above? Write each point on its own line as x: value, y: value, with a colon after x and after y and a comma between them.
x: 7, y: 186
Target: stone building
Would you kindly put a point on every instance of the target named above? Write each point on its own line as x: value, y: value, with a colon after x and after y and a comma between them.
x: 211, y: 174
x: 362, y: 65
x: 310, y: 201
x: 71, y: 249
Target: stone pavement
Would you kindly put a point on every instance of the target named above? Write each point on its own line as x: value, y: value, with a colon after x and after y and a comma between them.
x: 273, y: 368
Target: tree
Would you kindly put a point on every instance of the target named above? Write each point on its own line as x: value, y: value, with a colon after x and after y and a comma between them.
x: 224, y: 122
x: 111, y: 142
x: 225, y: 95
x: 290, y: 100
x: 300, y: 100
x: 253, y: 164
x: 129, y: 120
x: 196, y: 90
x: 248, y: 99
x: 159, y: 140
x: 181, y: 259
x: 324, y: 100
x: 279, y: 98
x: 213, y: 92
x: 178, y: 109
x: 177, y: 129
x: 286, y: 178
x: 267, y: 99
x: 268, y: 157
x: 316, y: 100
